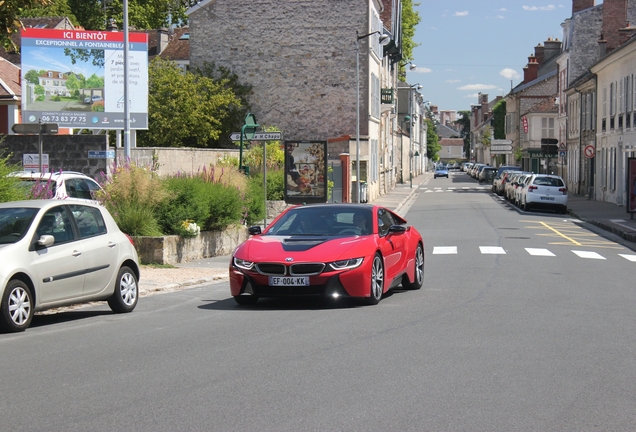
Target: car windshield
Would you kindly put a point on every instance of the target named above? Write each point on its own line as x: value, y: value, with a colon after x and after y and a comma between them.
x: 14, y: 223
x: 323, y: 221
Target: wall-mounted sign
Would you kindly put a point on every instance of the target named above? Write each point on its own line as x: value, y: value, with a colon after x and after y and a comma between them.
x: 305, y: 172
x: 75, y: 78
x: 524, y: 122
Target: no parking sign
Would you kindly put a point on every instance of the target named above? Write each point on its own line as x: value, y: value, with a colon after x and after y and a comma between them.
x: 589, y: 151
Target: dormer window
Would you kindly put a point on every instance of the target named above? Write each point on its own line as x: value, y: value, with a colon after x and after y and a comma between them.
x: 61, y: 75
x: 50, y: 74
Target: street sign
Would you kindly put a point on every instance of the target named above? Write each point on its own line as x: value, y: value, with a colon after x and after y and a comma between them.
x: 562, y: 147
x: 501, y: 147
x: 258, y: 136
x: 501, y: 142
x: 589, y: 151
x: 101, y: 154
x: 34, y: 128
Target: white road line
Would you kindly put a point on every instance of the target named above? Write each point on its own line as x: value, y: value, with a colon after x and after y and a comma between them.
x: 492, y: 250
x: 587, y: 254
x: 539, y: 252
x: 444, y: 250
x: 631, y: 258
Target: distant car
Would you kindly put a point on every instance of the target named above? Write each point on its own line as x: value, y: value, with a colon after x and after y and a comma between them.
x: 440, y: 171
x: 545, y: 191
x: 62, y: 184
x: 487, y: 174
x: 57, y: 253
x: 93, y: 99
x: 357, y: 251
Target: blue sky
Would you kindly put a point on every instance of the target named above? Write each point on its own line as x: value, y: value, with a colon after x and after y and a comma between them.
x: 471, y: 46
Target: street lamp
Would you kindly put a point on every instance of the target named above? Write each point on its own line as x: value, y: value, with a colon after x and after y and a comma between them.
x: 384, y: 40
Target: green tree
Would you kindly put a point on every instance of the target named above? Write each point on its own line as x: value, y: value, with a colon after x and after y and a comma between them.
x: 410, y: 20
x: 499, y: 119
x: 32, y: 76
x: 184, y: 109
x: 150, y: 14
x: 432, y: 141
x: 53, y: 8
x: 10, y: 10
x: 10, y: 186
x: 235, y: 112
x: 95, y: 81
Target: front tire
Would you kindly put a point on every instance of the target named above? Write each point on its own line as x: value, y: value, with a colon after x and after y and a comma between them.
x: 377, y: 281
x: 418, y: 280
x: 126, y: 294
x: 16, y: 308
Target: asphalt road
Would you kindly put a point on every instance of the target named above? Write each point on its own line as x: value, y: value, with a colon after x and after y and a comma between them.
x: 519, y: 326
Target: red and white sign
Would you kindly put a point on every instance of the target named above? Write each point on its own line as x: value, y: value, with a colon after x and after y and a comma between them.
x: 524, y: 121
x: 589, y: 151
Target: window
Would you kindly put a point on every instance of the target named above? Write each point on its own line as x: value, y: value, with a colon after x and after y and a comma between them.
x: 373, y: 174
x: 89, y: 220
x: 375, y: 96
x: 56, y: 223
x: 385, y: 220
x: 81, y: 188
x: 547, y: 127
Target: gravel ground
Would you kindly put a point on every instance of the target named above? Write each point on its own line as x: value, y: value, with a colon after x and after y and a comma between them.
x: 155, y: 279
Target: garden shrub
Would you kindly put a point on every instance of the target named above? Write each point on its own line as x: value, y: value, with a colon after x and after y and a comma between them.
x: 10, y: 187
x: 188, y: 201
x: 132, y: 194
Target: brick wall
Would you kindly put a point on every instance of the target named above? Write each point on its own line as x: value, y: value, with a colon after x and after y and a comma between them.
x: 299, y: 56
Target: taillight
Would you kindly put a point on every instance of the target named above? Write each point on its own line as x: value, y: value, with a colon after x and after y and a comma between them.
x: 130, y: 239
x: 531, y: 188
x: 563, y: 190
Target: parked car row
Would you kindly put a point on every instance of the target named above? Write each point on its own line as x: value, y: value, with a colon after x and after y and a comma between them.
x: 536, y: 191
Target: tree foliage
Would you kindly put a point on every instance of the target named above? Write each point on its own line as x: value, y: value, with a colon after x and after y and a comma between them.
x: 410, y: 19
x: 464, y: 123
x: 433, y: 146
x: 10, y: 10
x: 184, y: 108
x: 499, y: 119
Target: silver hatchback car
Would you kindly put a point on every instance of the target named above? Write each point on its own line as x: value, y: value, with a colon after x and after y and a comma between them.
x: 57, y: 253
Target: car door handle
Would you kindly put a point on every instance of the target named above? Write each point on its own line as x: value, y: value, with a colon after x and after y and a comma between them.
x: 111, y: 244
x: 76, y: 253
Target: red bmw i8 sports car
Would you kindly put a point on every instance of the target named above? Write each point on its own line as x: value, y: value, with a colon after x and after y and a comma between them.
x: 328, y: 250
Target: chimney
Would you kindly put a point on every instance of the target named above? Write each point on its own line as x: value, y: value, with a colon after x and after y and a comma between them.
x: 531, y: 71
x: 552, y: 47
x: 579, y: 5
x: 162, y: 39
x: 539, y: 53
x: 614, y: 19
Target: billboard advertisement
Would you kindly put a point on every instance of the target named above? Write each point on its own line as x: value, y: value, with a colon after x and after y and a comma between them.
x: 75, y: 78
x: 305, y: 172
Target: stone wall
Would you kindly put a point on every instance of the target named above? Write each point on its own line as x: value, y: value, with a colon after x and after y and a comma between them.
x: 299, y: 56
x: 175, y: 249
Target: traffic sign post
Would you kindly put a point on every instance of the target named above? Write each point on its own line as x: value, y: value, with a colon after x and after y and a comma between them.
x: 258, y: 136
x: 501, y: 146
x: 589, y: 151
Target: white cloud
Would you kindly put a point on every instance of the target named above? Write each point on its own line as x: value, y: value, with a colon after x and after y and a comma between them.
x: 510, y: 74
x: 477, y: 87
x: 462, y: 13
x: 503, y: 10
x: 539, y: 8
x: 500, y: 17
x: 473, y: 96
x: 422, y: 70
x: 455, y: 81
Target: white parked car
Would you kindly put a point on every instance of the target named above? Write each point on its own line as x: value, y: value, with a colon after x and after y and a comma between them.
x: 57, y: 253
x: 62, y: 184
x: 545, y: 191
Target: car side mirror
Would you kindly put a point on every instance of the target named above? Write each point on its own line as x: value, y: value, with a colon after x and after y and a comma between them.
x: 254, y: 230
x: 397, y: 229
x: 46, y: 240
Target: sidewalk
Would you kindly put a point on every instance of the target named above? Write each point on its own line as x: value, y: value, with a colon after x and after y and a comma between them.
x: 606, y: 216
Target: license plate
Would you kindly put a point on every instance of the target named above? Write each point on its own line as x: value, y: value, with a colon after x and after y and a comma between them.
x: 289, y: 281
x: 547, y: 198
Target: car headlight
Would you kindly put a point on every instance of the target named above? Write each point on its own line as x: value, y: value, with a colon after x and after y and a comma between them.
x: 346, y: 264
x: 243, y: 264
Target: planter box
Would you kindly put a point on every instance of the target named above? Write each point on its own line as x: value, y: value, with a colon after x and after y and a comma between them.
x: 175, y: 249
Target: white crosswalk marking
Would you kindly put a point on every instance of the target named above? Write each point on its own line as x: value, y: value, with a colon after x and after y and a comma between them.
x: 539, y: 252
x: 631, y: 258
x: 588, y: 254
x: 492, y: 250
x: 444, y: 250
